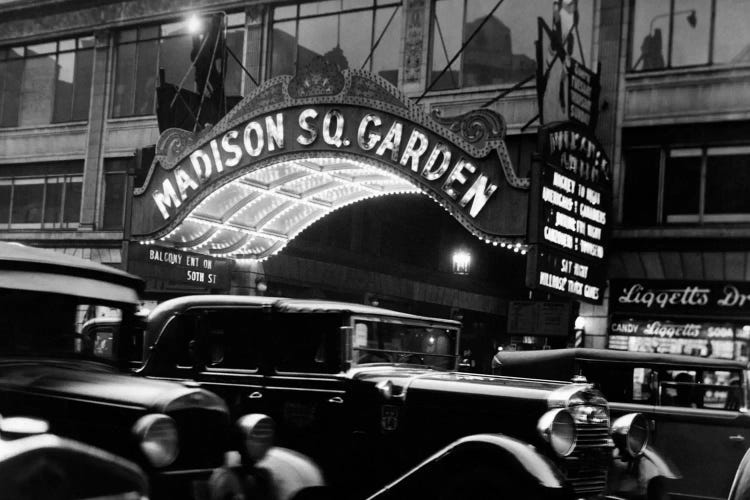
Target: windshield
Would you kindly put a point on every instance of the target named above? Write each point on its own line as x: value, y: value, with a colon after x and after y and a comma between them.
x: 54, y: 325
x: 377, y: 341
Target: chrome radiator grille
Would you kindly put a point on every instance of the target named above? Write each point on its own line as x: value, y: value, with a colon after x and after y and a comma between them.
x: 586, y: 468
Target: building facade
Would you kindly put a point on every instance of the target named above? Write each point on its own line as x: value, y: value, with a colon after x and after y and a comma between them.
x: 77, y: 101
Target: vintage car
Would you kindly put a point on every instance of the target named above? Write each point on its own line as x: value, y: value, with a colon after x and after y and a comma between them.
x: 79, y: 380
x: 370, y: 393
x: 41, y: 466
x: 696, y: 406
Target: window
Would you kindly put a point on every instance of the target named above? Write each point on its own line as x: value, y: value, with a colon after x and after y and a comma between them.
x: 640, y: 203
x: 376, y: 341
x: 688, y: 33
x: 713, y: 389
x: 686, y: 185
x: 41, y: 196
x: 353, y: 34
x: 142, y: 51
x: 71, y: 327
x: 503, y: 50
x: 307, y: 343
x: 215, y: 339
x: 46, y: 83
x: 115, y: 186
x: 621, y: 382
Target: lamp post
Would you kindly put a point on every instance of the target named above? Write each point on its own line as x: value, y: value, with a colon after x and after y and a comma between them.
x: 461, y: 262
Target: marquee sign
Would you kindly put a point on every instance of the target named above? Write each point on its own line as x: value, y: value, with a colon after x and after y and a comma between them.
x: 173, y: 268
x: 569, y: 219
x: 299, y: 148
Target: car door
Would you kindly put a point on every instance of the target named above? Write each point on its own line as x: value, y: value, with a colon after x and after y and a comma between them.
x: 234, y: 357
x: 221, y: 350
x: 307, y: 392
x: 699, y: 428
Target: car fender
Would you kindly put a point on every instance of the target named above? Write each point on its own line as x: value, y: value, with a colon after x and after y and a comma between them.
x: 497, y: 451
x: 631, y: 478
x: 30, y: 466
x: 652, y: 464
x: 289, y: 473
x: 741, y: 484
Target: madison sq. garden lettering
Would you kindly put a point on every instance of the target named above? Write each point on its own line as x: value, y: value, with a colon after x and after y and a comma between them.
x: 416, y: 152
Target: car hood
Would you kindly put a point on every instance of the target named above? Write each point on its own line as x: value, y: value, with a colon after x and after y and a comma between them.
x: 411, y: 379
x: 82, y: 381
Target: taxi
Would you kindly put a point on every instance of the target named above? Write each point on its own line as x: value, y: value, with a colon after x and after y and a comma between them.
x: 696, y: 407
x: 376, y: 398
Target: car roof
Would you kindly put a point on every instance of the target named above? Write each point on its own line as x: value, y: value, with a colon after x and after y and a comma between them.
x: 28, y: 268
x: 287, y: 305
x: 565, y: 357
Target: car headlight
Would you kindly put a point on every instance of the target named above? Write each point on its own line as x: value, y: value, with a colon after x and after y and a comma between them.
x: 257, y: 434
x: 157, y: 434
x: 558, y: 428
x: 630, y: 434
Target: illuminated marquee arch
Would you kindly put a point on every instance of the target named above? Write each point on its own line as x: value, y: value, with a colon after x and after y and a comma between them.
x: 301, y: 147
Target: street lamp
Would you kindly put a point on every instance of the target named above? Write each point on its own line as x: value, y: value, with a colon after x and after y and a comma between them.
x: 194, y: 24
x: 461, y: 262
x: 692, y: 18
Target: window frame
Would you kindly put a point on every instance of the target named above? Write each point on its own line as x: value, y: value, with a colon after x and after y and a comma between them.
x: 374, y: 7
x: 531, y: 85
x: 159, y: 38
x: 124, y: 171
x: 688, y: 150
x: 62, y: 46
x: 65, y: 179
x: 668, y: 66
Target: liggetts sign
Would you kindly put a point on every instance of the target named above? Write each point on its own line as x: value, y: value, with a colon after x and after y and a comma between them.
x: 671, y: 297
x: 408, y: 149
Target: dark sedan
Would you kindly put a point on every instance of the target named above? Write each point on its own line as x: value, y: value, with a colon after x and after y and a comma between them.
x: 696, y: 407
x: 371, y: 393
x: 55, y: 365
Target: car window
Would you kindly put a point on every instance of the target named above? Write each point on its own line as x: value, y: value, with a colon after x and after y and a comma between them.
x: 722, y: 390
x: 704, y: 388
x: 677, y: 388
x: 378, y: 341
x: 643, y: 379
x: 307, y: 343
x: 215, y: 339
x: 620, y: 382
x: 69, y: 326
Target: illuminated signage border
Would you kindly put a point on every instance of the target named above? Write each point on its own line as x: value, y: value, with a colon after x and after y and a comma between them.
x: 300, y: 147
